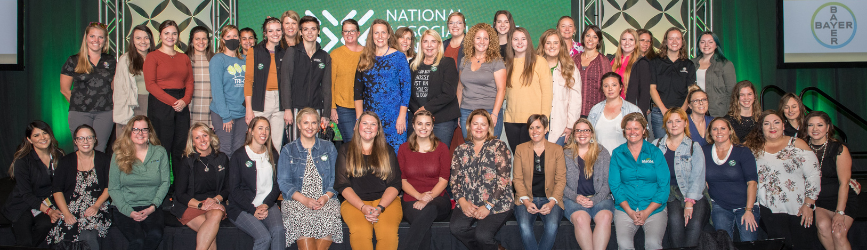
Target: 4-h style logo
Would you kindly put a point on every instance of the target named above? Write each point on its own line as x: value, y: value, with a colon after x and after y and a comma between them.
x: 834, y: 25
x: 333, y: 39
x: 237, y: 72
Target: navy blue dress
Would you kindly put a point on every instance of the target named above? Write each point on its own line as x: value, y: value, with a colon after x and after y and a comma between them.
x: 385, y: 88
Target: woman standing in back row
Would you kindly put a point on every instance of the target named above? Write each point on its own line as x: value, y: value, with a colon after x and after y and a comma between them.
x: 344, y: 62
x: 528, y: 88
x: 265, y: 93
x: 482, y: 77
x: 227, y: 89
x: 566, y: 107
x: 714, y: 73
x: 200, y: 52
x: 130, y: 93
x: 591, y: 65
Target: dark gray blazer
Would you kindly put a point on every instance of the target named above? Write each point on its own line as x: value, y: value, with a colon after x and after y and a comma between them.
x: 719, y: 81
x: 600, y: 176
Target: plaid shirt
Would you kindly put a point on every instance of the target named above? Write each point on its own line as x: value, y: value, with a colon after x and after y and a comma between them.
x: 200, y: 106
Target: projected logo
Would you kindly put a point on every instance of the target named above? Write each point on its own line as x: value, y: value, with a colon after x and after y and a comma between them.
x: 331, y: 32
x: 834, y: 25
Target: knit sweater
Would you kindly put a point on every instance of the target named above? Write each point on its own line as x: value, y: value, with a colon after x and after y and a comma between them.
x: 162, y: 71
x: 344, y: 63
x: 533, y: 98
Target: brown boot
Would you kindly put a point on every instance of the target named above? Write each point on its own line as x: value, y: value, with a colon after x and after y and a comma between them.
x: 306, y: 244
x: 322, y: 244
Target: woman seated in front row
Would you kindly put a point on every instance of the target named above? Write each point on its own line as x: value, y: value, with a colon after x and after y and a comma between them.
x: 201, y: 186
x: 587, y: 196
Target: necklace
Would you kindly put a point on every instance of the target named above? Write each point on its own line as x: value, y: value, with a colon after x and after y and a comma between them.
x: 816, y: 151
x: 479, y: 60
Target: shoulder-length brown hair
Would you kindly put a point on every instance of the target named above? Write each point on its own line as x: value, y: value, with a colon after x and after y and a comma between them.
x: 735, y: 108
x: 633, y: 57
x: 378, y: 163
x: 291, y: 14
x: 529, y: 60
x: 413, y: 138
x: 663, y: 47
x: 651, y: 51
x: 755, y: 140
x: 124, y: 148
x: 733, y: 138
x: 805, y: 135
x: 400, y: 32
x: 600, y: 46
x: 801, y: 109
x: 593, y: 148
x: 365, y: 62
x: 25, y: 146
x: 191, y: 144
x: 136, y: 60
x: 493, y: 50
x: 488, y: 118
x: 83, y: 64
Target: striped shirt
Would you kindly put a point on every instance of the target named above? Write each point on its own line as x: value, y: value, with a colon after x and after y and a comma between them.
x: 200, y: 110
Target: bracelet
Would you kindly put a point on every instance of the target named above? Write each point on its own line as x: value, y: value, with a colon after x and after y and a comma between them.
x: 362, y: 207
x: 688, y: 208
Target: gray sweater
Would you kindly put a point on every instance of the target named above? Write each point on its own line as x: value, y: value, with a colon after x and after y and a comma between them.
x: 600, y: 176
x: 719, y: 80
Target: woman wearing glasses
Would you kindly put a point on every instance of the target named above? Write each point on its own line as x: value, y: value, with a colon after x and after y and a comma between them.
x: 80, y: 190
x: 344, y: 62
x: 138, y: 181
x: 699, y: 120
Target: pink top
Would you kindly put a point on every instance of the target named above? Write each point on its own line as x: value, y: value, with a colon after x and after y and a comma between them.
x: 576, y: 47
x: 622, y: 72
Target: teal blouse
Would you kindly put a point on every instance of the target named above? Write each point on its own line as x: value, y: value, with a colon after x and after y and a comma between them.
x: 639, y: 182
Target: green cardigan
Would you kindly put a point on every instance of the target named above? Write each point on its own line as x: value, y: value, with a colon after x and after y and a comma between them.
x: 146, y: 185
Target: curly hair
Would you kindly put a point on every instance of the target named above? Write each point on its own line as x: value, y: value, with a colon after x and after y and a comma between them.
x: 755, y: 140
x: 567, y: 65
x: 663, y: 47
x: 124, y: 148
x: 493, y: 50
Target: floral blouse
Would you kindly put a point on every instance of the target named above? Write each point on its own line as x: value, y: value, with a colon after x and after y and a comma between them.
x: 483, y: 178
x: 787, y: 178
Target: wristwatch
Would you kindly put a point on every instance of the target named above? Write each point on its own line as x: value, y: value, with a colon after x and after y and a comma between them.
x: 840, y: 212
x: 200, y: 205
x: 381, y: 208
x: 811, y: 205
x: 488, y: 206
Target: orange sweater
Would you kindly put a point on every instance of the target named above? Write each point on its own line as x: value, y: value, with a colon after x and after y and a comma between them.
x: 535, y: 98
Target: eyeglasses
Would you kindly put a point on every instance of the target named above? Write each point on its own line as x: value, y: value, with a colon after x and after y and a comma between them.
x: 456, y: 23
x: 140, y: 130
x: 350, y: 32
x: 582, y: 131
x: 699, y: 101
x: 85, y: 139
x: 97, y: 24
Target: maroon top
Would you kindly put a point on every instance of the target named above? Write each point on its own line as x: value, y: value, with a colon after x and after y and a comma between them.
x: 423, y: 170
x: 591, y: 81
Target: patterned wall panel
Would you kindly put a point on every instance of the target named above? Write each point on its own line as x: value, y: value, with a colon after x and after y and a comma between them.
x: 187, y: 13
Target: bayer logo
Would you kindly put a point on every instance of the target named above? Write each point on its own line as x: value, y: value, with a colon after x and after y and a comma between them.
x: 331, y: 32
x: 834, y: 25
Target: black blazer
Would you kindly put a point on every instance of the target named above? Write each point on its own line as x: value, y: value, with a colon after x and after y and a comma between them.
x: 638, y: 88
x: 185, y: 180
x: 242, y: 184
x: 67, y: 171
x: 442, y: 98
x: 33, y: 183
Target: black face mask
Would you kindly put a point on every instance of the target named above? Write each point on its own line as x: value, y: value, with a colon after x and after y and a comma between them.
x: 233, y: 44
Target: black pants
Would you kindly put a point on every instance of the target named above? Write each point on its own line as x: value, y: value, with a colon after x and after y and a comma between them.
x: 420, y: 222
x: 482, y: 236
x: 31, y: 231
x: 171, y: 127
x: 788, y: 227
x: 686, y: 236
x: 142, y: 235
x: 516, y: 133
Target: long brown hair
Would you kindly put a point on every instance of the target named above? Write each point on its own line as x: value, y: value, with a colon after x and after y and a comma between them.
x: 410, y: 53
x: 25, y: 146
x: 733, y: 138
x: 124, y: 148
x: 663, y: 47
x: 83, y: 64
x: 567, y: 65
x: 509, y: 17
x: 365, y: 62
x: 378, y: 163
x: 755, y: 140
x: 413, y: 138
x: 136, y: 60
x: 651, y: 51
x: 192, y: 49
x: 269, y: 146
x: 493, y: 51
x: 804, y: 135
x: 633, y: 57
x: 801, y: 109
x: 191, y: 144
x: 529, y: 60
x: 735, y: 108
x: 592, y: 150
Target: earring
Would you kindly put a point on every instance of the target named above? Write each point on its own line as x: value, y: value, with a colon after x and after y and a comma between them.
x: 592, y: 141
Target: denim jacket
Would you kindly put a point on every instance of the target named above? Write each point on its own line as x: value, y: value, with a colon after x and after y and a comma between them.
x: 688, y: 169
x: 293, y: 163
x: 598, y: 109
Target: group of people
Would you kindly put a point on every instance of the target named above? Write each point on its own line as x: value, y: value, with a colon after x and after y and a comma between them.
x: 641, y: 138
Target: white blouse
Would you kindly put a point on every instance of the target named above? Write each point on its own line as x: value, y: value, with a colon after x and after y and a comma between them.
x: 787, y: 178
x: 264, y: 175
x: 609, y: 133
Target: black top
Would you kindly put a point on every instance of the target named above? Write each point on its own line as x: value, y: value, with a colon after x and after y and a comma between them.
x: 200, y: 178
x: 67, y: 171
x: 502, y: 50
x: 91, y: 92
x: 311, y: 78
x: 33, y: 181
x: 672, y: 80
x: 242, y: 183
x: 827, y: 157
x: 368, y: 187
x: 436, y: 90
x: 585, y: 185
x: 539, y: 175
x: 638, y: 88
x: 742, y: 128
x: 669, y: 158
x: 790, y: 131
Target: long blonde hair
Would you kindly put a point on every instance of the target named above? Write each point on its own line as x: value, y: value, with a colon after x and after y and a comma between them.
x: 378, y: 163
x: 365, y: 62
x: 493, y: 51
x: 567, y: 65
x: 124, y: 148
x: 420, y: 58
x: 83, y: 64
x: 191, y: 144
x: 592, y: 150
x: 413, y: 138
x: 633, y: 57
x: 529, y: 60
x: 269, y: 146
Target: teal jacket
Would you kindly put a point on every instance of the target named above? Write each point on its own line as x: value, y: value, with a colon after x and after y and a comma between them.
x: 146, y: 185
x: 639, y: 182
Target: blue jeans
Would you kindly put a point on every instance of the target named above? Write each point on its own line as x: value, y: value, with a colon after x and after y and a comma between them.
x: 728, y: 219
x: 573, y: 207
x: 268, y: 233
x: 656, y: 125
x: 497, y: 128
x: 346, y: 122
x: 526, y: 220
x: 561, y: 141
x: 445, y: 131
